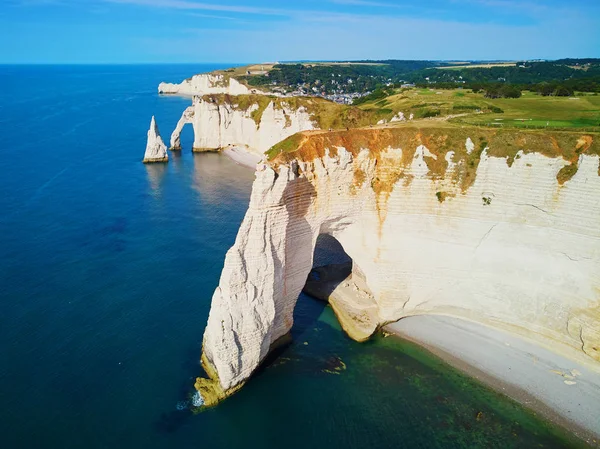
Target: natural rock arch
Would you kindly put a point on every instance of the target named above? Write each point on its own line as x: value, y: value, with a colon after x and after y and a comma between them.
x: 256, y: 125
x: 186, y: 118
x: 505, y: 252
x: 338, y: 280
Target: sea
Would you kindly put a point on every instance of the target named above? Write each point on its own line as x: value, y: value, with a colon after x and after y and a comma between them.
x: 107, y: 269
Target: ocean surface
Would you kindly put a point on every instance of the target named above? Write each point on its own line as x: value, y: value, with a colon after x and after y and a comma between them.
x: 107, y: 268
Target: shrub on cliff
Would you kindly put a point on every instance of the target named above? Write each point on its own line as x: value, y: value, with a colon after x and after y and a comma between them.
x: 430, y: 113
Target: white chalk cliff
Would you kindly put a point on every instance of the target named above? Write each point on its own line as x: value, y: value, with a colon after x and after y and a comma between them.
x: 156, y: 150
x: 222, y: 123
x: 206, y: 83
x: 465, y: 232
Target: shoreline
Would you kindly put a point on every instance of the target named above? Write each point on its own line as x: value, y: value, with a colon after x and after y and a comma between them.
x: 561, y: 391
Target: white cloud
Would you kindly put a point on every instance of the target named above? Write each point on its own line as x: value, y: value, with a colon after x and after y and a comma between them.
x: 388, y: 38
x: 214, y: 16
x: 185, y: 4
x: 534, y: 8
x: 365, y: 3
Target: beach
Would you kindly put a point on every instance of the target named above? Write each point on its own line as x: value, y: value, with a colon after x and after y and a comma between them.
x: 242, y: 156
x: 562, y: 391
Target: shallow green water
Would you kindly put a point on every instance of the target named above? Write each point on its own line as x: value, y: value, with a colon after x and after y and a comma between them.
x: 384, y: 393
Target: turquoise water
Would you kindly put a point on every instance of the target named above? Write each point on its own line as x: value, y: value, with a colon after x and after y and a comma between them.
x: 107, y: 268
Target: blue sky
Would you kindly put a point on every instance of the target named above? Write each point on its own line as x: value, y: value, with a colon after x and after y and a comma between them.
x: 147, y: 31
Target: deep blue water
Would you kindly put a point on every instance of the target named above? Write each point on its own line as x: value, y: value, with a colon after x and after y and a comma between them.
x: 107, y: 268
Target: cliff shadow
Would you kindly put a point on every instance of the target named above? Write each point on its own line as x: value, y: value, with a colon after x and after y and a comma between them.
x: 331, y: 266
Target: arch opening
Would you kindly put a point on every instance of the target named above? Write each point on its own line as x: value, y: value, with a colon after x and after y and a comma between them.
x: 336, y: 279
x: 310, y: 304
x: 186, y: 118
x: 331, y: 266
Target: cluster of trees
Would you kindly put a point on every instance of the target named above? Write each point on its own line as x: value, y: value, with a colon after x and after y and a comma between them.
x: 377, y: 94
x: 522, y: 73
x: 578, y: 61
x: 326, y: 78
x: 562, y: 76
x: 514, y: 90
x: 584, y: 85
x: 555, y: 89
x: 501, y: 91
x: 496, y: 90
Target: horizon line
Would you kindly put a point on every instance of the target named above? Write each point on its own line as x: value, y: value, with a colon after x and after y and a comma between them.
x: 291, y: 61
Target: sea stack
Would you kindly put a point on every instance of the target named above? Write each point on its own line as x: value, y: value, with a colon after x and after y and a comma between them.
x: 156, y: 150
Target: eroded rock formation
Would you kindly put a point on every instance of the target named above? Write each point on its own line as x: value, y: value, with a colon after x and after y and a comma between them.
x: 186, y: 117
x: 254, y: 122
x: 501, y: 228
x: 156, y: 150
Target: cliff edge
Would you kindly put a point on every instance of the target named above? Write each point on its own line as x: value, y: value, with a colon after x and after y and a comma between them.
x: 498, y: 227
x: 258, y: 122
x: 205, y: 84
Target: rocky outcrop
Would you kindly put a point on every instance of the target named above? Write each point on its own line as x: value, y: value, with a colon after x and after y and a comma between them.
x: 205, y: 84
x: 398, y: 117
x: 254, y: 122
x: 486, y: 229
x: 156, y: 150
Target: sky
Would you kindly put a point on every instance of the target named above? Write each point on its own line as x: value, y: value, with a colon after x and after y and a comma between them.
x: 238, y: 31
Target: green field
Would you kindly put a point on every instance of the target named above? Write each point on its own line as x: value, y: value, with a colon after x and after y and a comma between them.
x: 477, y: 66
x: 581, y: 112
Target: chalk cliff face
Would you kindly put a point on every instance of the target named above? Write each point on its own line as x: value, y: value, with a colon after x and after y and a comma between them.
x: 501, y: 228
x: 205, y: 84
x: 156, y: 150
x: 220, y: 122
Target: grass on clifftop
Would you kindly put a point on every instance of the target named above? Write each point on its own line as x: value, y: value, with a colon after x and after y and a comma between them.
x: 461, y: 106
x: 439, y: 140
x: 324, y: 113
x: 443, y: 121
x: 529, y: 111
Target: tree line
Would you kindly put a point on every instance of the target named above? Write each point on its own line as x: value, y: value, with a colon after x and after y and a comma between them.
x: 502, y: 90
x: 560, y: 78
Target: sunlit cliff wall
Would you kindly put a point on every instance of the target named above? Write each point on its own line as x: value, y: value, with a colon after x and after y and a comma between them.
x: 497, y: 227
